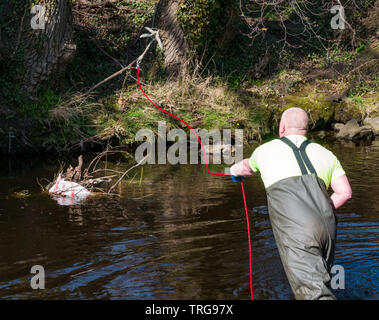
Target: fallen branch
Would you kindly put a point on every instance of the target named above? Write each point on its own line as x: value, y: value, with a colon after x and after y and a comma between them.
x: 129, y: 66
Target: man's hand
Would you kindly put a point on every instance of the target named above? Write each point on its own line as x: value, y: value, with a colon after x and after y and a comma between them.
x: 236, y: 178
x: 241, y: 169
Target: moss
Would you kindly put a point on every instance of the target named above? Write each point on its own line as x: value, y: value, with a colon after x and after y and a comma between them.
x: 321, y: 112
x: 348, y: 110
x: 371, y: 101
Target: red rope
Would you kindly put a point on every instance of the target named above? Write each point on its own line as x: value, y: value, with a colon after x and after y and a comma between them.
x: 209, y: 172
x: 248, y: 235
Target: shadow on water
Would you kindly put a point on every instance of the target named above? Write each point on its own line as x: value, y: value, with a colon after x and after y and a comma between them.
x: 180, y: 234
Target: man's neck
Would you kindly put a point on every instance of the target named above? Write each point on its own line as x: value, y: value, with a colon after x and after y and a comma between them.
x: 295, y: 133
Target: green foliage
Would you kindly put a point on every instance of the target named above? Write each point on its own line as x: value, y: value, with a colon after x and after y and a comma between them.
x: 205, y: 24
x: 72, y: 129
x: 361, y: 46
x: 235, y: 81
x: 215, y: 119
x: 47, y: 99
x: 358, y: 100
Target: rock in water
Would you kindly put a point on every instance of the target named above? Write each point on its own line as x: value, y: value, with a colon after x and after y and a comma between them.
x: 337, y: 126
x: 352, y: 131
x: 373, y: 123
x: 365, y: 133
x: 349, y: 130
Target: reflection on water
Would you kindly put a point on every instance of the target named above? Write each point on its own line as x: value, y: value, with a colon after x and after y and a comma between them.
x: 180, y: 234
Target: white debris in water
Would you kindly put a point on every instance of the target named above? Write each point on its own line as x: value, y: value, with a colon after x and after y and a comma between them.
x: 67, y: 192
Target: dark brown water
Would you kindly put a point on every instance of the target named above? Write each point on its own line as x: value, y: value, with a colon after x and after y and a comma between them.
x: 181, y: 234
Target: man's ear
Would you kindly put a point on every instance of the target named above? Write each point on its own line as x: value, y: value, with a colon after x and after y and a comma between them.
x: 282, y: 129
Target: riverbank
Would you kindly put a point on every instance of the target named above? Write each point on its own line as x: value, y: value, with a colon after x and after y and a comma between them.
x: 331, y: 93
x: 245, y: 89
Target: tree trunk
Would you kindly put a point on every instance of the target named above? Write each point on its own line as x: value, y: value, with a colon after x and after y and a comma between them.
x: 174, y: 45
x: 49, y: 49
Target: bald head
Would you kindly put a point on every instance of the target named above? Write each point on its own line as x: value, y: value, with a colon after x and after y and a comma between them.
x: 293, y: 121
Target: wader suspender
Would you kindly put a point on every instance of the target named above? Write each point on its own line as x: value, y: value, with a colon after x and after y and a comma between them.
x: 301, y: 155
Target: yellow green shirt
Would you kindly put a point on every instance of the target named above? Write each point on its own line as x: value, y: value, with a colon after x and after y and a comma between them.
x: 276, y: 161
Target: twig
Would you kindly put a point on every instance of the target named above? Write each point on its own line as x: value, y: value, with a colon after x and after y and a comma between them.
x: 140, y: 180
x: 139, y: 198
x: 83, y: 272
x: 40, y: 185
x: 111, y: 77
x: 111, y: 170
x: 98, y: 157
x: 118, y: 181
x: 360, y: 66
x: 106, y: 53
x: 131, y: 181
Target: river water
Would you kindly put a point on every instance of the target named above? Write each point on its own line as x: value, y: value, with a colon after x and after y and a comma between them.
x: 179, y: 234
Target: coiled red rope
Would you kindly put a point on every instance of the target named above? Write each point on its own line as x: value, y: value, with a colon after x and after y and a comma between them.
x: 209, y: 172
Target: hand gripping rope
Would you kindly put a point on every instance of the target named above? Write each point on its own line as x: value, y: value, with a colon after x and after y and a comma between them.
x: 209, y: 172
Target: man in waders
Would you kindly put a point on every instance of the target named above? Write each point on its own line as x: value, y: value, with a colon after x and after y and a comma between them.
x: 296, y: 173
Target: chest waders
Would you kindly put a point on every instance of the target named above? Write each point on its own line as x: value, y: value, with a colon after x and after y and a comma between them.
x: 304, y: 226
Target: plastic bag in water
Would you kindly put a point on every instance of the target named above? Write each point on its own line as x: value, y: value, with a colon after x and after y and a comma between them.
x: 68, y: 192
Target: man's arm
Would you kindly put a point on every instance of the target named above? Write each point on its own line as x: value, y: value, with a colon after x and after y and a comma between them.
x: 242, y: 168
x: 342, y: 191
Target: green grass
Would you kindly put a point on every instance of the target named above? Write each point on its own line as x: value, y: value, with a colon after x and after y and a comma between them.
x: 47, y: 99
